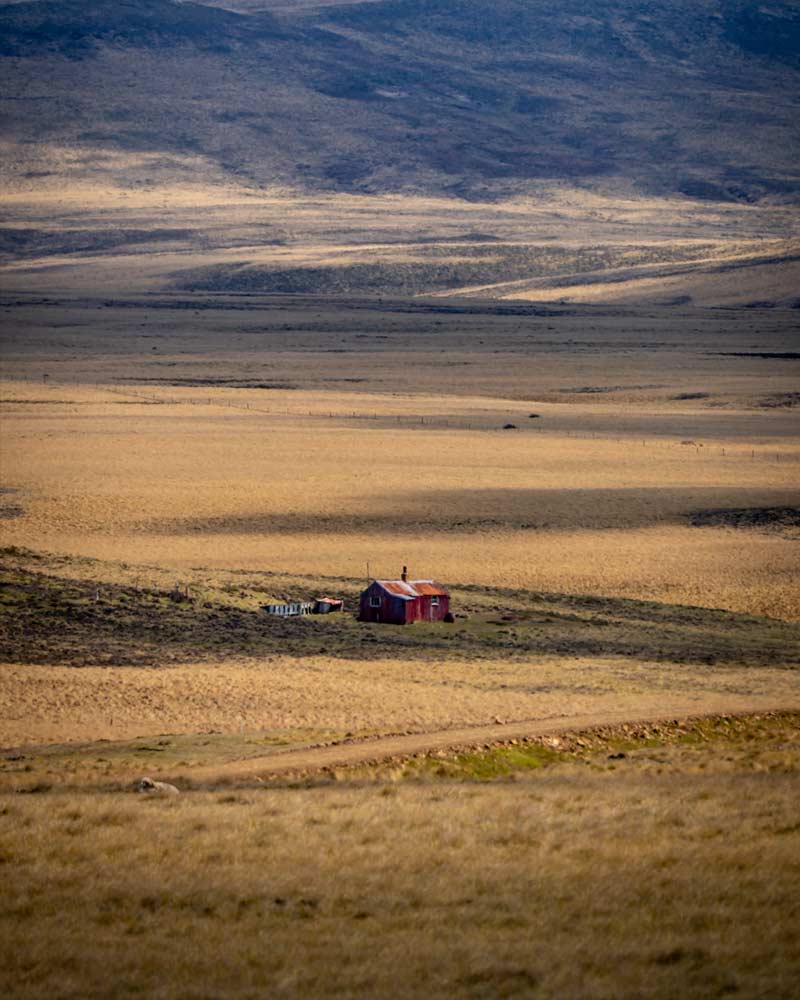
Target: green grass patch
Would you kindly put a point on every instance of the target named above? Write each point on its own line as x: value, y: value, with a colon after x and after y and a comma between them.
x: 487, y: 765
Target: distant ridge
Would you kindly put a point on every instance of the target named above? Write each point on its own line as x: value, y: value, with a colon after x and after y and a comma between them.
x: 454, y: 97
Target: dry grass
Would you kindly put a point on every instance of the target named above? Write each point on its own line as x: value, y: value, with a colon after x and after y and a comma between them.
x: 202, y: 221
x: 711, y: 286
x: 55, y: 704
x: 674, y: 872
x: 645, y: 880
x: 671, y: 872
x: 205, y: 485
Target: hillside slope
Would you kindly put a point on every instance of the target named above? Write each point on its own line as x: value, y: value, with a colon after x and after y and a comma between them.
x: 454, y: 97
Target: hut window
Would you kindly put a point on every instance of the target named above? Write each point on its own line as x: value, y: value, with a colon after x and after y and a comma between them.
x: 374, y: 602
x: 434, y: 601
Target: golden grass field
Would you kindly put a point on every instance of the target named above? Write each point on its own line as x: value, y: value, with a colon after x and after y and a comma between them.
x: 571, y: 400
x: 319, y: 695
x: 196, y: 483
x: 671, y: 871
x: 630, y: 551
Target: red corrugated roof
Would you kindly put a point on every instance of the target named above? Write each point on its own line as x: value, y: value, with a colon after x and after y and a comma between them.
x: 412, y: 588
x: 428, y: 588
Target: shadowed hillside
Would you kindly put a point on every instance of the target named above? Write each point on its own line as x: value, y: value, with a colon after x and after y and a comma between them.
x: 53, y: 619
x: 447, y: 96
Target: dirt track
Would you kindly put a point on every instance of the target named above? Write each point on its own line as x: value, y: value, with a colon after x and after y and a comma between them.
x: 349, y: 754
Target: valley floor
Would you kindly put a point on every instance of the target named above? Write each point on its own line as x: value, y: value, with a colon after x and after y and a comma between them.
x: 384, y: 811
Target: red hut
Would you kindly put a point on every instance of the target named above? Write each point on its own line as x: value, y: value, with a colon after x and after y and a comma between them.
x: 399, y: 602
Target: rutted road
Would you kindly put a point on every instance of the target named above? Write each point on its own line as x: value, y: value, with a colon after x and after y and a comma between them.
x: 381, y: 748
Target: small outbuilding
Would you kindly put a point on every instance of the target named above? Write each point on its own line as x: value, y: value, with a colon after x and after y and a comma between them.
x: 400, y: 602
x: 328, y: 605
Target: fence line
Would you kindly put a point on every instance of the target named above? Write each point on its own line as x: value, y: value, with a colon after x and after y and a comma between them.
x: 414, y: 421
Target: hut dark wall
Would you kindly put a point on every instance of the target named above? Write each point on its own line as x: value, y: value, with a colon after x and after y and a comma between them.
x: 379, y: 605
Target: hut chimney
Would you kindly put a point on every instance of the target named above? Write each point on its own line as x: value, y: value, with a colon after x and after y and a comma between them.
x: 404, y: 576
